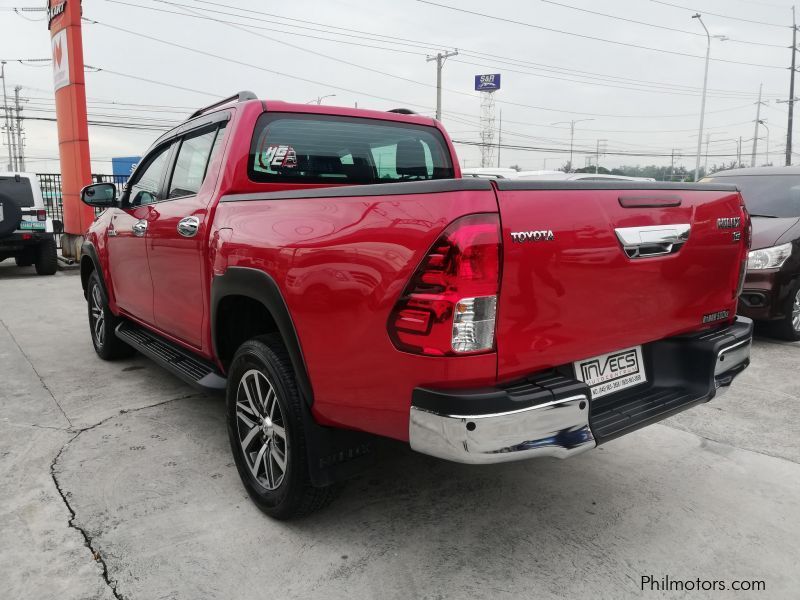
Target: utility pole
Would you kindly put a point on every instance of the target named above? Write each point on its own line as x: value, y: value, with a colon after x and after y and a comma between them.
x: 571, y: 135
x: 755, y: 127
x: 5, y: 111
x: 791, y: 94
x: 499, y: 137
x: 597, y: 161
x: 739, y: 153
x: 705, y: 165
x: 440, y: 58
x: 672, y: 166
x: 20, y: 146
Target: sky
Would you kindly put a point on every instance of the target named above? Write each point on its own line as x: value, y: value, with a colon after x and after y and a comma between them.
x: 630, y: 72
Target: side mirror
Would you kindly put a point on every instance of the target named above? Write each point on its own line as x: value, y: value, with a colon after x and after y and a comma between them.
x: 100, y: 195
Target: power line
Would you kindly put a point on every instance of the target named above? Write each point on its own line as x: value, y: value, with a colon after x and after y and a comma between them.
x: 721, y: 16
x: 654, y: 25
x: 667, y: 87
x: 363, y: 93
x: 591, y: 37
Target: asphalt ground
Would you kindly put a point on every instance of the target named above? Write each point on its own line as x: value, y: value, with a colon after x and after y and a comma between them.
x: 116, y: 480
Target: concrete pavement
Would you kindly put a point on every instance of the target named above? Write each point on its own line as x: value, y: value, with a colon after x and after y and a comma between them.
x: 116, y: 480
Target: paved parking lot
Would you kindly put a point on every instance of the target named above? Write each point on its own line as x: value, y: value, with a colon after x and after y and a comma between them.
x: 116, y: 481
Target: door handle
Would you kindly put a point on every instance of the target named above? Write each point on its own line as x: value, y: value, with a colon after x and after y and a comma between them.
x: 139, y: 228
x: 188, y: 226
x: 653, y: 240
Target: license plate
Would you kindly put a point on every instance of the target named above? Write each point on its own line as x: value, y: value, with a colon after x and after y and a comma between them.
x: 612, y: 372
x: 37, y: 225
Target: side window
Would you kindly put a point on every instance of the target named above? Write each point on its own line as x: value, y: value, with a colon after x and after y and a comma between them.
x: 192, y: 163
x: 146, y: 186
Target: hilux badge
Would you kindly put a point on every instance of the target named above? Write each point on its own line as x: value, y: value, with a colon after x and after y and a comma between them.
x: 728, y: 222
x: 544, y: 235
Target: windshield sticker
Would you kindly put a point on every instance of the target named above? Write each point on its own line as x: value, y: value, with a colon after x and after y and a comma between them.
x: 272, y: 158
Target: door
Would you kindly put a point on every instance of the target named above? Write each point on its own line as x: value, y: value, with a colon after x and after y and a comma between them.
x: 177, y: 241
x: 127, y: 251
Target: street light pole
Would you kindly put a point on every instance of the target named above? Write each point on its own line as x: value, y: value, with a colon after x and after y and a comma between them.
x: 318, y: 100
x: 703, y: 101
x: 763, y: 123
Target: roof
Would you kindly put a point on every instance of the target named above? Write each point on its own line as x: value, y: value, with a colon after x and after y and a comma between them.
x: 793, y: 170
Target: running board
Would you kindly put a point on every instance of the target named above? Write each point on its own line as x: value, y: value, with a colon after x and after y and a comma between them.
x: 180, y: 362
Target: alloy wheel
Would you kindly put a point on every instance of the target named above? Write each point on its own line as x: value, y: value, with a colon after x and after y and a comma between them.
x: 261, y: 427
x: 98, y: 316
x: 796, y: 312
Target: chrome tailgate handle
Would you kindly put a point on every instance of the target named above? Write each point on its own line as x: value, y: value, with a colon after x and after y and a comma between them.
x: 188, y: 226
x: 652, y: 240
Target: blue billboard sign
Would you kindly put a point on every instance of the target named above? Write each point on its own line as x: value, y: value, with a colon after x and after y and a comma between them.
x: 487, y: 83
x: 123, y: 166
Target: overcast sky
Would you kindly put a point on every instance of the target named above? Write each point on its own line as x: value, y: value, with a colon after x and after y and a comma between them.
x: 372, y: 52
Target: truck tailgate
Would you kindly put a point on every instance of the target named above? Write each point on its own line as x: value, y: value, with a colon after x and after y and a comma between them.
x: 593, y: 268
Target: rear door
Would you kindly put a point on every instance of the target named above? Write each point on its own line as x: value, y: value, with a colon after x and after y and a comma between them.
x: 590, y: 268
x: 127, y: 253
x: 176, y: 236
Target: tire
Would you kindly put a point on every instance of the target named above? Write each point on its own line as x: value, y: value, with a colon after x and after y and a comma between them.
x: 26, y: 257
x: 265, y: 428
x: 788, y: 328
x: 47, y: 257
x: 102, y: 323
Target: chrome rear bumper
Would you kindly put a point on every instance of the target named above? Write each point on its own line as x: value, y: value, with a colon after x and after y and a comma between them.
x: 554, y: 415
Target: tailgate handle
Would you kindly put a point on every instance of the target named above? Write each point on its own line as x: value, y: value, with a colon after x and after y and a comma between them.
x: 652, y: 240
x: 649, y: 201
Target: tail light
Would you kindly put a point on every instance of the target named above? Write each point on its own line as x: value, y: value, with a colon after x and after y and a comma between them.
x: 41, y: 215
x: 450, y: 303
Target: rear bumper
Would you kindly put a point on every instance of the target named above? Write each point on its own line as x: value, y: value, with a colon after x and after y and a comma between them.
x: 553, y: 414
x: 19, y: 240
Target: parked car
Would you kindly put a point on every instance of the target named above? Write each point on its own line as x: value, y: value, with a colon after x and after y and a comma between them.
x: 331, y: 272
x: 26, y: 232
x: 772, y: 286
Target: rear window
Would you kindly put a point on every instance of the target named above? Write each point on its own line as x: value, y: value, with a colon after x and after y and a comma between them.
x: 19, y: 192
x: 348, y: 150
x: 767, y: 195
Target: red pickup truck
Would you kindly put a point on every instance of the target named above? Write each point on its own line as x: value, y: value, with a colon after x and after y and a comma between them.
x: 332, y: 273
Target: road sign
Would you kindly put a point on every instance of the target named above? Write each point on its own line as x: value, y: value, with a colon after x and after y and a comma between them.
x: 487, y: 83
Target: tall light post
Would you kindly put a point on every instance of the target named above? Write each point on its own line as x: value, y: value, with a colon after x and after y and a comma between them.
x: 5, y: 113
x: 763, y: 123
x: 705, y: 87
x: 571, y: 134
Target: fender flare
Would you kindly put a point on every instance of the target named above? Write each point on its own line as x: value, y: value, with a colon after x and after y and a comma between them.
x: 88, y: 250
x: 259, y: 286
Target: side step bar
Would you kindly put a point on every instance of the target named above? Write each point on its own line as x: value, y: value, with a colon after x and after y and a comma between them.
x: 180, y: 362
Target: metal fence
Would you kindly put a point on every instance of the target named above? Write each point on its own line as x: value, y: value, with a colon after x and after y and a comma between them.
x: 51, y: 192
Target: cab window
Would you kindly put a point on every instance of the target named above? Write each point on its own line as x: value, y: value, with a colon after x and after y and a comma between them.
x: 146, y: 185
x: 192, y: 162
x: 347, y: 150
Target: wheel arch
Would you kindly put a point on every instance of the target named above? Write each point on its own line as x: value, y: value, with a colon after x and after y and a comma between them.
x: 90, y: 263
x: 236, y: 295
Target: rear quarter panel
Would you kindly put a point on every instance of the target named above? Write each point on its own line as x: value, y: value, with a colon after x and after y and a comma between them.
x: 341, y: 264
